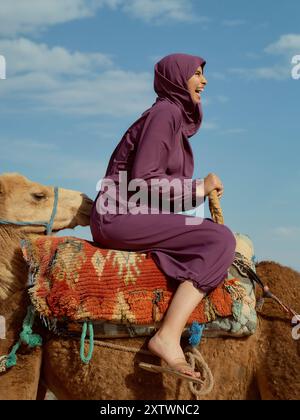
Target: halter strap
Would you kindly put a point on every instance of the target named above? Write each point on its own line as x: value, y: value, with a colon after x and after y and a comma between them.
x: 244, y: 267
x: 48, y: 225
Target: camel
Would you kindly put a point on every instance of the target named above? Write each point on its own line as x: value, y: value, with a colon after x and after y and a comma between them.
x: 262, y: 366
x: 24, y: 200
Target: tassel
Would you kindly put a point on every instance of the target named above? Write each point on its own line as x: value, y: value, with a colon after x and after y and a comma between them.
x: 196, y: 331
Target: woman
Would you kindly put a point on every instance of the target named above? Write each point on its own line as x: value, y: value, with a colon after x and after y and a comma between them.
x: 157, y: 146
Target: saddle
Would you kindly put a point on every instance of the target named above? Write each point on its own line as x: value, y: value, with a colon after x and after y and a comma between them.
x: 73, y: 281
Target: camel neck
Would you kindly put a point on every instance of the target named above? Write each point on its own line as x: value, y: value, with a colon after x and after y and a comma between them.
x: 13, y: 268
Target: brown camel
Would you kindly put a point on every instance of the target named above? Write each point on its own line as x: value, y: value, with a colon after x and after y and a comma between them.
x: 262, y: 366
x: 23, y: 200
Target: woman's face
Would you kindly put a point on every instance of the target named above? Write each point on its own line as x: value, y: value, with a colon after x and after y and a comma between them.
x: 196, y: 85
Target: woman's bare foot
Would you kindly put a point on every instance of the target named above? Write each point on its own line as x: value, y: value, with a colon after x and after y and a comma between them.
x: 171, y: 352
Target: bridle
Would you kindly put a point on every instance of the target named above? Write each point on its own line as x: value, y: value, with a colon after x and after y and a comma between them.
x: 244, y: 267
x: 26, y: 336
x: 48, y: 225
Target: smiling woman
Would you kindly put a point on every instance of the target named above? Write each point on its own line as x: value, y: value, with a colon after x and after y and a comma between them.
x: 156, y: 147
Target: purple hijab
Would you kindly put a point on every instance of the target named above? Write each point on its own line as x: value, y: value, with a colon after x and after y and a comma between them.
x: 170, y: 81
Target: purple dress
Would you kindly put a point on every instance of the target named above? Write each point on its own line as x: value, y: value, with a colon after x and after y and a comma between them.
x: 157, y: 146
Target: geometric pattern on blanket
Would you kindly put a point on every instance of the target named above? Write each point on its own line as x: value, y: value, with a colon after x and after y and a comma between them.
x: 73, y: 279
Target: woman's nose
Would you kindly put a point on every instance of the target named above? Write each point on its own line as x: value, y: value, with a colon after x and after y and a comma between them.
x: 204, y: 81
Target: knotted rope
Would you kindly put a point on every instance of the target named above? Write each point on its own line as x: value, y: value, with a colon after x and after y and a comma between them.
x: 215, y: 208
x: 26, y: 337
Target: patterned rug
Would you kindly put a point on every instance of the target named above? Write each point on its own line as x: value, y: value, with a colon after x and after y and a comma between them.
x: 73, y: 279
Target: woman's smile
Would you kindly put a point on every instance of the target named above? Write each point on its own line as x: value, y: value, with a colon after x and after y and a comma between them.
x: 196, y: 85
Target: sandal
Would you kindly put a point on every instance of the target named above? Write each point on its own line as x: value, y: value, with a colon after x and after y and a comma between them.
x: 172, y: 371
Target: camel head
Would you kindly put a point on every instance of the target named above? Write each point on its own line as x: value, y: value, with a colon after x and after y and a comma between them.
x: 22, y: 200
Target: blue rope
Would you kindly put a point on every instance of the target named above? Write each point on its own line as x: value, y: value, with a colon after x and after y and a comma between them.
x: 86, y: 359
x: 26, y: 337
x: 48, y: 225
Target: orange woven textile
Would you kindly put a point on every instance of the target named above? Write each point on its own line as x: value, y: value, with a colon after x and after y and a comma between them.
x: 74, y: 279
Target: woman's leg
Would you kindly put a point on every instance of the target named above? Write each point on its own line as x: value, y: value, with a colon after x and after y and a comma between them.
x: 166, y: 342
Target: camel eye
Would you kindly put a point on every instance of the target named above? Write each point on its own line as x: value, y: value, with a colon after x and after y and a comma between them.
x: 39, y: 196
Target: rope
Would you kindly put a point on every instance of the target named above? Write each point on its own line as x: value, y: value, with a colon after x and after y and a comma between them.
x: 215, y: 208
x: 196, y: 361
x: 91, y: 342
x: 48, y: 225
x: 26, y: 337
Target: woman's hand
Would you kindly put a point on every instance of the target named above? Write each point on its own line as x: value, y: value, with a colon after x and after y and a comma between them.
x: 213, y: 182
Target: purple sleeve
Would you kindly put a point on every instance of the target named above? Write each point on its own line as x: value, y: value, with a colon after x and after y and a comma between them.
x: 154, y: 146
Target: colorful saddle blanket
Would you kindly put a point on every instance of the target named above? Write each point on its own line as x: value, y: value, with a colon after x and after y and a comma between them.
x: 73, y: 279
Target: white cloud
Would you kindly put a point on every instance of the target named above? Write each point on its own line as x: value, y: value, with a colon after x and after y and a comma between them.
x: 19, y: 16
x: 74, y: 83
x: 252, y: 55
x: 69, y: 165
x: 285, y: 47
x: 287, y: 232
x: 234, y: 131
x: 275, y: 72
x: 209, y: 125
x: 31, y: 16
x: 25, y: 56
x: 218, y: 75
x: 114, y: 92
x: 222, y: 99
x: 162, y: 10
x: 286, y: 44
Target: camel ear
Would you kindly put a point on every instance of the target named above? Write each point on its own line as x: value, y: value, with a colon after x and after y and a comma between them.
x: 1, y: 188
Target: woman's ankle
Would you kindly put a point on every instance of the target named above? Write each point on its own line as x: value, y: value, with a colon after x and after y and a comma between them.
x: 167, y: 335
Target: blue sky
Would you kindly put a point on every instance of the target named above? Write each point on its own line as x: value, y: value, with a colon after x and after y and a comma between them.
x: 79, y: 72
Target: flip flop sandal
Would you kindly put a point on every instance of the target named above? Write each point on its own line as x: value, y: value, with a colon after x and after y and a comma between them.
x: 171, y: 371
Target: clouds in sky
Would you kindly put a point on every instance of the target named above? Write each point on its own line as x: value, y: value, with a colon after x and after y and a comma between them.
x: 71, y: 166
x: 31, y: 16
x: 287, y: 232
x: 53, y: 78
x: 161, y: 11
x: 72, y: 82
x: 288, y: 44
x: 24, y: 56
x: 285, y: 47
x: 20, y: 17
